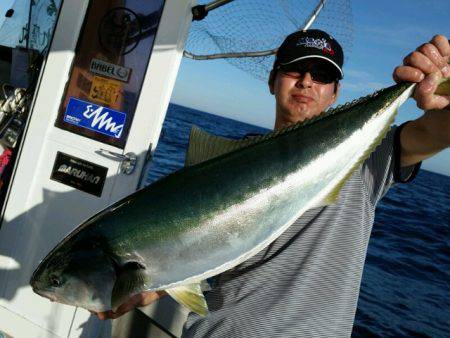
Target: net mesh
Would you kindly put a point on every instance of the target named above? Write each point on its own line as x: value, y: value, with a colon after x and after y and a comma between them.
x: 256, y: 25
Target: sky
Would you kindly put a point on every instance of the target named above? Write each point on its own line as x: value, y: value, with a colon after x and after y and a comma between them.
x: 384, y: 33
x: 4, y: 5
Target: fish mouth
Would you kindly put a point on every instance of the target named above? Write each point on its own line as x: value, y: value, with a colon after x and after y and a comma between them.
x: 45, y: 293
x: 34, y: 277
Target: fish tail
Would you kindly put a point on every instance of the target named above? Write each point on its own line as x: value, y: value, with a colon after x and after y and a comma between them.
x: 443, y: 87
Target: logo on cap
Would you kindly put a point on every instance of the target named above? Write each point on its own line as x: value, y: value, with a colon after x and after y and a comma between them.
x: 321, y: 44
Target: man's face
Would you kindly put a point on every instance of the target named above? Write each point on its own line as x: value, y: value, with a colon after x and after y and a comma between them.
x: 300, y: 91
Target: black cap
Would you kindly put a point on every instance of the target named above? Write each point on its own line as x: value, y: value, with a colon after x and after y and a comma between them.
x: 312, y: 43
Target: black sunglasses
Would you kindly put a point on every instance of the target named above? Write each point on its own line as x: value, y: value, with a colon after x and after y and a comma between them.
x: 319, y: 73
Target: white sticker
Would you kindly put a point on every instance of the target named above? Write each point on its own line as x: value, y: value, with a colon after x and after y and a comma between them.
x: 110, y: 70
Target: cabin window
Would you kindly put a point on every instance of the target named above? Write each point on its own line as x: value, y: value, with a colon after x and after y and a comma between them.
x: 109, y: 67
x: 26, y: 30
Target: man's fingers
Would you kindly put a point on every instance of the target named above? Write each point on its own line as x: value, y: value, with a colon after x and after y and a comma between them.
x: 433, y: 102
x: 420, y: 61
x: 141, y: 299
x: 443, y: 45
x: 425, y: 97
x: 408, y: 74
x: 134, y: 301
x: 109, y: 315
x: 426, y: 66
x: 102, y: 315
x: 115, y: 315
x: 429, y: 58
x: 432, y: 53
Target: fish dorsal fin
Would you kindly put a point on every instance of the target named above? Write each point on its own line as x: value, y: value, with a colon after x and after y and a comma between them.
x: 204, y: 146
x: 132, y: 278
x: 191, y: 296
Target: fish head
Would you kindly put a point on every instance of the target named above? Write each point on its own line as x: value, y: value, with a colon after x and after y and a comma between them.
x: 76, y: 273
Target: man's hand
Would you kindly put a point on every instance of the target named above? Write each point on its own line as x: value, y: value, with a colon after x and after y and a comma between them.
x: 425, y: 66
x: 430, y: 133
x: 141, y: 299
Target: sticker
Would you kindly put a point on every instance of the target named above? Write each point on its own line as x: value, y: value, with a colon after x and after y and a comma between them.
x: 79, y: 174
x: 94, y: 117
x: 83, y: 83
x: 104, y: 90
x: 110, y: 70
x: 120, y: 31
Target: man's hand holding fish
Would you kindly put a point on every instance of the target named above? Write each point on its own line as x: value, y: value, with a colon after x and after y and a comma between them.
x: 429, y: 134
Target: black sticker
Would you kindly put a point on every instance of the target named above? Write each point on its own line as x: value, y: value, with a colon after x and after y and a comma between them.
x: 120, y: 31
x: 79, y: 174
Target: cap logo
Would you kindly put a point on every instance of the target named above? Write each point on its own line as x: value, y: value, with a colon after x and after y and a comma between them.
x: 321, y: 44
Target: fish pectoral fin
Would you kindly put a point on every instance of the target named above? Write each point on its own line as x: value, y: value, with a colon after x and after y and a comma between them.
x: 191, y: 296
x: 131, y: 280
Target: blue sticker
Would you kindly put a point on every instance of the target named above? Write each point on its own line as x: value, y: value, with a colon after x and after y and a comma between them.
x: 94, y: 117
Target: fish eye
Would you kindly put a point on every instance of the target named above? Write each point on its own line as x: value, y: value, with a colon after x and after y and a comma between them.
x: 55, y: 281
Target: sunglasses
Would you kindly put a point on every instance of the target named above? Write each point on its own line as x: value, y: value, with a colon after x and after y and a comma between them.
x: 319, y: 73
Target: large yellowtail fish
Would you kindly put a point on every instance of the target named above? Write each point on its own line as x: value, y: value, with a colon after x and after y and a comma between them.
x: 213, y: 215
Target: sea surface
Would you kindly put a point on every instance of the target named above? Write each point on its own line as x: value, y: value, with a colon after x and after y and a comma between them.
x: 405, y: 289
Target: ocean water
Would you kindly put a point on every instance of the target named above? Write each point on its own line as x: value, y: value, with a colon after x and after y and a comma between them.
x: 405, y: 289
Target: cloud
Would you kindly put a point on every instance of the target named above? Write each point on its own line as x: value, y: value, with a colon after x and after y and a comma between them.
x: 359, y: 74
x: 361, y: 81
x: 363, y: 87
x: 402, y: 36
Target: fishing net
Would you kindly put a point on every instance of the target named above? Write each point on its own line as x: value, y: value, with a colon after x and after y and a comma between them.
x: 257, y: 25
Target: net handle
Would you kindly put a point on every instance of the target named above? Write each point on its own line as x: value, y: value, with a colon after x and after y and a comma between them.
x: 236, y: 55
x: 314, y: 15
x: 219, y: 3
x: 201, y: 11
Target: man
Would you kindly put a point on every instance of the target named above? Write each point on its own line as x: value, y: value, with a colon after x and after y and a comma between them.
x: 306, y: 283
